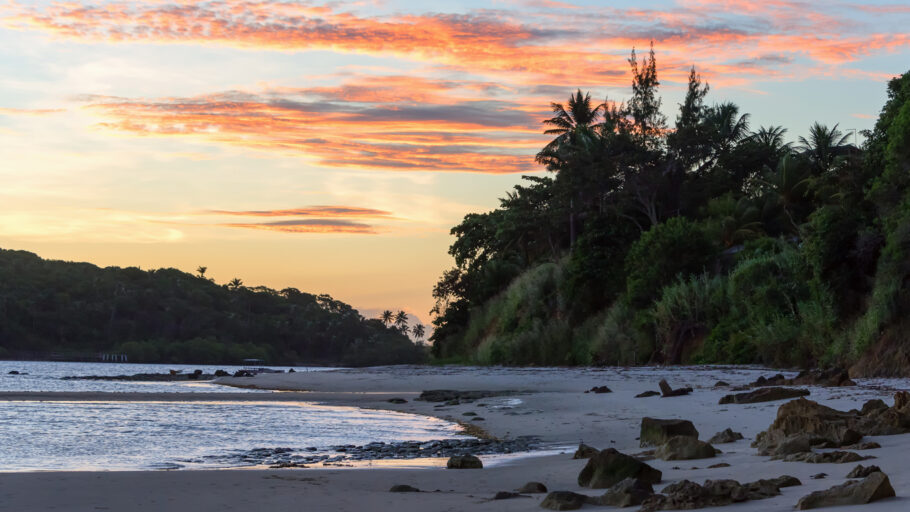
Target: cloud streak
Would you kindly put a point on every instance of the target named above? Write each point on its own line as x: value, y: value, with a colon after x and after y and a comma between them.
x: 310, y: 226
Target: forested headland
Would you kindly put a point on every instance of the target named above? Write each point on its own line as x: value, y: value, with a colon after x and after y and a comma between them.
x: 169, y: 316
x: 701, y: 240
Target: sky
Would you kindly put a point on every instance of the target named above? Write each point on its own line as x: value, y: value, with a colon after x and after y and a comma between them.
x: 330, y: 146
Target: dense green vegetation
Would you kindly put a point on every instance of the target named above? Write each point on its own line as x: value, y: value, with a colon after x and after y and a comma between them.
x: 704, y: 241
x: 170, y: 316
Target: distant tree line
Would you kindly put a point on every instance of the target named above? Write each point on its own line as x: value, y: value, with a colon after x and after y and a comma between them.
x: 167, y: 315
x: 706, y: 240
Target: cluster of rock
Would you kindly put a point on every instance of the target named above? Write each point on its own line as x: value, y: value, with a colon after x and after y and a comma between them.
x: 803, y: 424
x: 293, y: 458
x: 687, y: 495
x: 456, y: 396
x: 599, y: 390
x: 835, y: 377
x: 667, y: 391
x: 764, y: 394
x: 172, y: 376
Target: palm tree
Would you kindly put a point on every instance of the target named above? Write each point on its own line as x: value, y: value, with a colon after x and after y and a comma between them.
x: 771, y: 139
x: 418, y: 331
x: 401, y: 320
x: 822, y: 146
x: 790, y: 184
x: 386, y: 316
x: 235, y: 283
x: 201, y: 270
x: 579, y: 114
x: 728, y: 126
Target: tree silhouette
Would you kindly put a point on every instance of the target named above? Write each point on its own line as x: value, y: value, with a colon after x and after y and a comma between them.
x: 401, y: 321
x: 418, y: 331
x: 201, y: 270
x: 235, y: 284
x: 386, y: 317
x: 822, y: 146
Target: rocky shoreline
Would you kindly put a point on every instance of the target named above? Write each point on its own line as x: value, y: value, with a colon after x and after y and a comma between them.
x: 340, y: 454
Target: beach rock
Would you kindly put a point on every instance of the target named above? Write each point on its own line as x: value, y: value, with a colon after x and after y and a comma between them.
x: 721, y: 384
x: 506, y: 495
x: 397, y: 401
x: 727, y: 436
x: 791, y: 445
x: 684, y: 448
x: 469, y: 413
x: 195, y: 375
x: 655, y: 432
x: 647, y: 394
x: 244, y: 373
x: 221, y: 373
x: 667, y: 391
x: 403, y: 488
x: 763, y: 395
x: 478, y: 418
x: 563, y: 500
x: 609, y: 467
x: 874, y: 487
x: 819, y: 476
x: 451, y: 395
x: 863, y: 446
x: 835, y: 457
x: 861, y: 471
x: 834, y: 377
x: 464, y: 462
x: 13, y: 372
x: 816, y: 422
x: 719, y: 465
x: 532, y: 488
x: 599, y: 390
x: 585, y: 452
x: 630, y: 492
x: 685, y: 495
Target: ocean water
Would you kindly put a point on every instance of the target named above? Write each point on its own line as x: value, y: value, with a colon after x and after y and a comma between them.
x: 121, y: 435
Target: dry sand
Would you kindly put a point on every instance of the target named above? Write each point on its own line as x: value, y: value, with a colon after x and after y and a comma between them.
x: 549, y: 403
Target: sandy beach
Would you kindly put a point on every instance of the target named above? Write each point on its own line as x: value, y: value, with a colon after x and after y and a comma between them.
x: 547, y: 403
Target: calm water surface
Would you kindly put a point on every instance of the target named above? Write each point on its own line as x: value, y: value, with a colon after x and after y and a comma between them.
x: 103, y: 435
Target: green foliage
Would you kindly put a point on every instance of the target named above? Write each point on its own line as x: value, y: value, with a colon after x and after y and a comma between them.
x: 704, y: 242
x: 167, y: 315
x: 676, y: 247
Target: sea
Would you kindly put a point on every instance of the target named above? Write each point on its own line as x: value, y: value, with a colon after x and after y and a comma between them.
x: 172, y: 435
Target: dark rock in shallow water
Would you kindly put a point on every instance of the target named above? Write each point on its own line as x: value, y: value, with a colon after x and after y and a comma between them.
x: 764, y: 395
x: 609, y: 467
x: 585, y: 452
x: 727, y: 436
x: 563, y: 500
x: 861, y: 471
x: 647, y: 394
x: 464, y: 462
x: 403, y: 488
x: 599, y: 390
x: 221, y: 373
x: 532, y: 488
x: 507, y: 495
x: 667, y: 391
x: 863, y: 446
x: 655, y: 432
x: 719, y: 465
x: 819, y: 476
x: 397, y: 401
x: 13, y: 372
x: 874, y: 487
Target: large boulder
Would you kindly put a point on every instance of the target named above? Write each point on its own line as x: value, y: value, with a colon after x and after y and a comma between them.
x: 874, y: 487
x: 628, y: 493
x: 655, y: 432
x: 814, y: 421
x: 564, y: 500
x: 764, y: 395
x: 610, y: 467
x: 835, y: 457
x: 684, y: 448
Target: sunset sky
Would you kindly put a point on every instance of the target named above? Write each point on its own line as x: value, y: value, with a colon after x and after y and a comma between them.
x: 331, y: 146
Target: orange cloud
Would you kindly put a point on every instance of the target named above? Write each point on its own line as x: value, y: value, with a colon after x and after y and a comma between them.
x: 29, y: 111
x: 310, y: 211
x: 310, y: 226
x: 583, y: 46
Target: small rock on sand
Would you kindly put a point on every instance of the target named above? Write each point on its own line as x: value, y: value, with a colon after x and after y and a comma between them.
x: 727, y: 436
x: 464, y: 462
x: 532, y: 488
x: 563, y: 500
x: 403, y: 488
x: 874, y: 487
